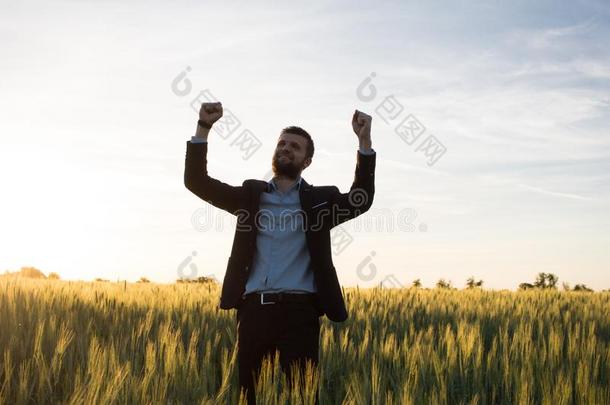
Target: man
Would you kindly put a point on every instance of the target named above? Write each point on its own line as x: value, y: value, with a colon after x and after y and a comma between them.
x: 280, y: 275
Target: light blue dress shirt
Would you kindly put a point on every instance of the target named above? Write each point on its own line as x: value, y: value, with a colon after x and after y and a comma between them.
x: 281, y: 262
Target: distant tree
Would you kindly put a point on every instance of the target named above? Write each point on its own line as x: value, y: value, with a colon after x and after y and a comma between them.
x: 471, y: 283
x: 416, y: 283
x: 526, y: 286
x: 205, y: 280
x: 143, y: 280
x: 200, y: 279
x: 443, y: 284
x: 101, y: 280
x: 551, y: 281
x: 566, y: 286
x: 546, y: 280
x: 53, y: 276
x: 582, y: 287
x: 540, y: 280
x: 31, y: 272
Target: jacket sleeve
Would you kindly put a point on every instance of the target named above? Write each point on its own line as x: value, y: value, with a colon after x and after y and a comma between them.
x: 196, y: 179
x: 358, y: 200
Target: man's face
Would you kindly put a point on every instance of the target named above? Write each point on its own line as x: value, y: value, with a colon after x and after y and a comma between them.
x: 289, y: 157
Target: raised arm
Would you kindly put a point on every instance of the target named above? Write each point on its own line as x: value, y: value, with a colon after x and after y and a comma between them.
x: 358, y: 200
x: 196, y: 178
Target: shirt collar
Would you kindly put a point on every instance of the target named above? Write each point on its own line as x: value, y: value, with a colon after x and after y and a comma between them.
x: 272, y: 186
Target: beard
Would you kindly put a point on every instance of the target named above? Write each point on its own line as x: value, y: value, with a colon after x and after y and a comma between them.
x: 287, y: 168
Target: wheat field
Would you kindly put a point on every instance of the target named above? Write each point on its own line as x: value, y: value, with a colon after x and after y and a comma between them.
x: 99, y: 342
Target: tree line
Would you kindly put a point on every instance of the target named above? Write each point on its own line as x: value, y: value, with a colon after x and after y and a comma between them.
x: 543, y: 281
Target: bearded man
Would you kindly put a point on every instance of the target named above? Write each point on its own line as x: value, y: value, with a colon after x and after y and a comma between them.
x: 280, y: 276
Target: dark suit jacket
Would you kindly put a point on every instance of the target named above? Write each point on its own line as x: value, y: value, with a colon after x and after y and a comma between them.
x: 324, y: 207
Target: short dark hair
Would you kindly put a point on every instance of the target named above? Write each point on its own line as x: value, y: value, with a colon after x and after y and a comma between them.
x: 301, y: 132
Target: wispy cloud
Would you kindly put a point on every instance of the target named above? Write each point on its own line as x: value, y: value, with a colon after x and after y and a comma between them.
x: 554, y: 193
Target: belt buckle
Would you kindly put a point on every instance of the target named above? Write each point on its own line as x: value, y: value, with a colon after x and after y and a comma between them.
x: 263, y: 300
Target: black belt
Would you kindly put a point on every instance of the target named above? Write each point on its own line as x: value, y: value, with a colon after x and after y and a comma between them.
x: 274, y: 298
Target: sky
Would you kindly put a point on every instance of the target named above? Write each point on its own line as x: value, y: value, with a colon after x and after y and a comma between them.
x: 505, y: 174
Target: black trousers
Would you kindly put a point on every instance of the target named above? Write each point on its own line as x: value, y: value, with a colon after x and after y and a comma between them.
x: 292, y: 328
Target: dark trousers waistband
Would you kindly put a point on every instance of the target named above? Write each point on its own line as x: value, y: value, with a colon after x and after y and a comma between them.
x: 274, y: 298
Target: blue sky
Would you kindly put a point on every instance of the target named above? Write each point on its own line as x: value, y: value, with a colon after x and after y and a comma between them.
x: 93, y: 137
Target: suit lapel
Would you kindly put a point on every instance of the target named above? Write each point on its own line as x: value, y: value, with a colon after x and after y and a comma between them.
x: 258, y: 187
x: 305, y: 196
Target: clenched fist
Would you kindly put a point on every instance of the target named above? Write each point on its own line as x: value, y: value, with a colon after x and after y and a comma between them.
x: 361, y: 123
x: 210, y: 112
